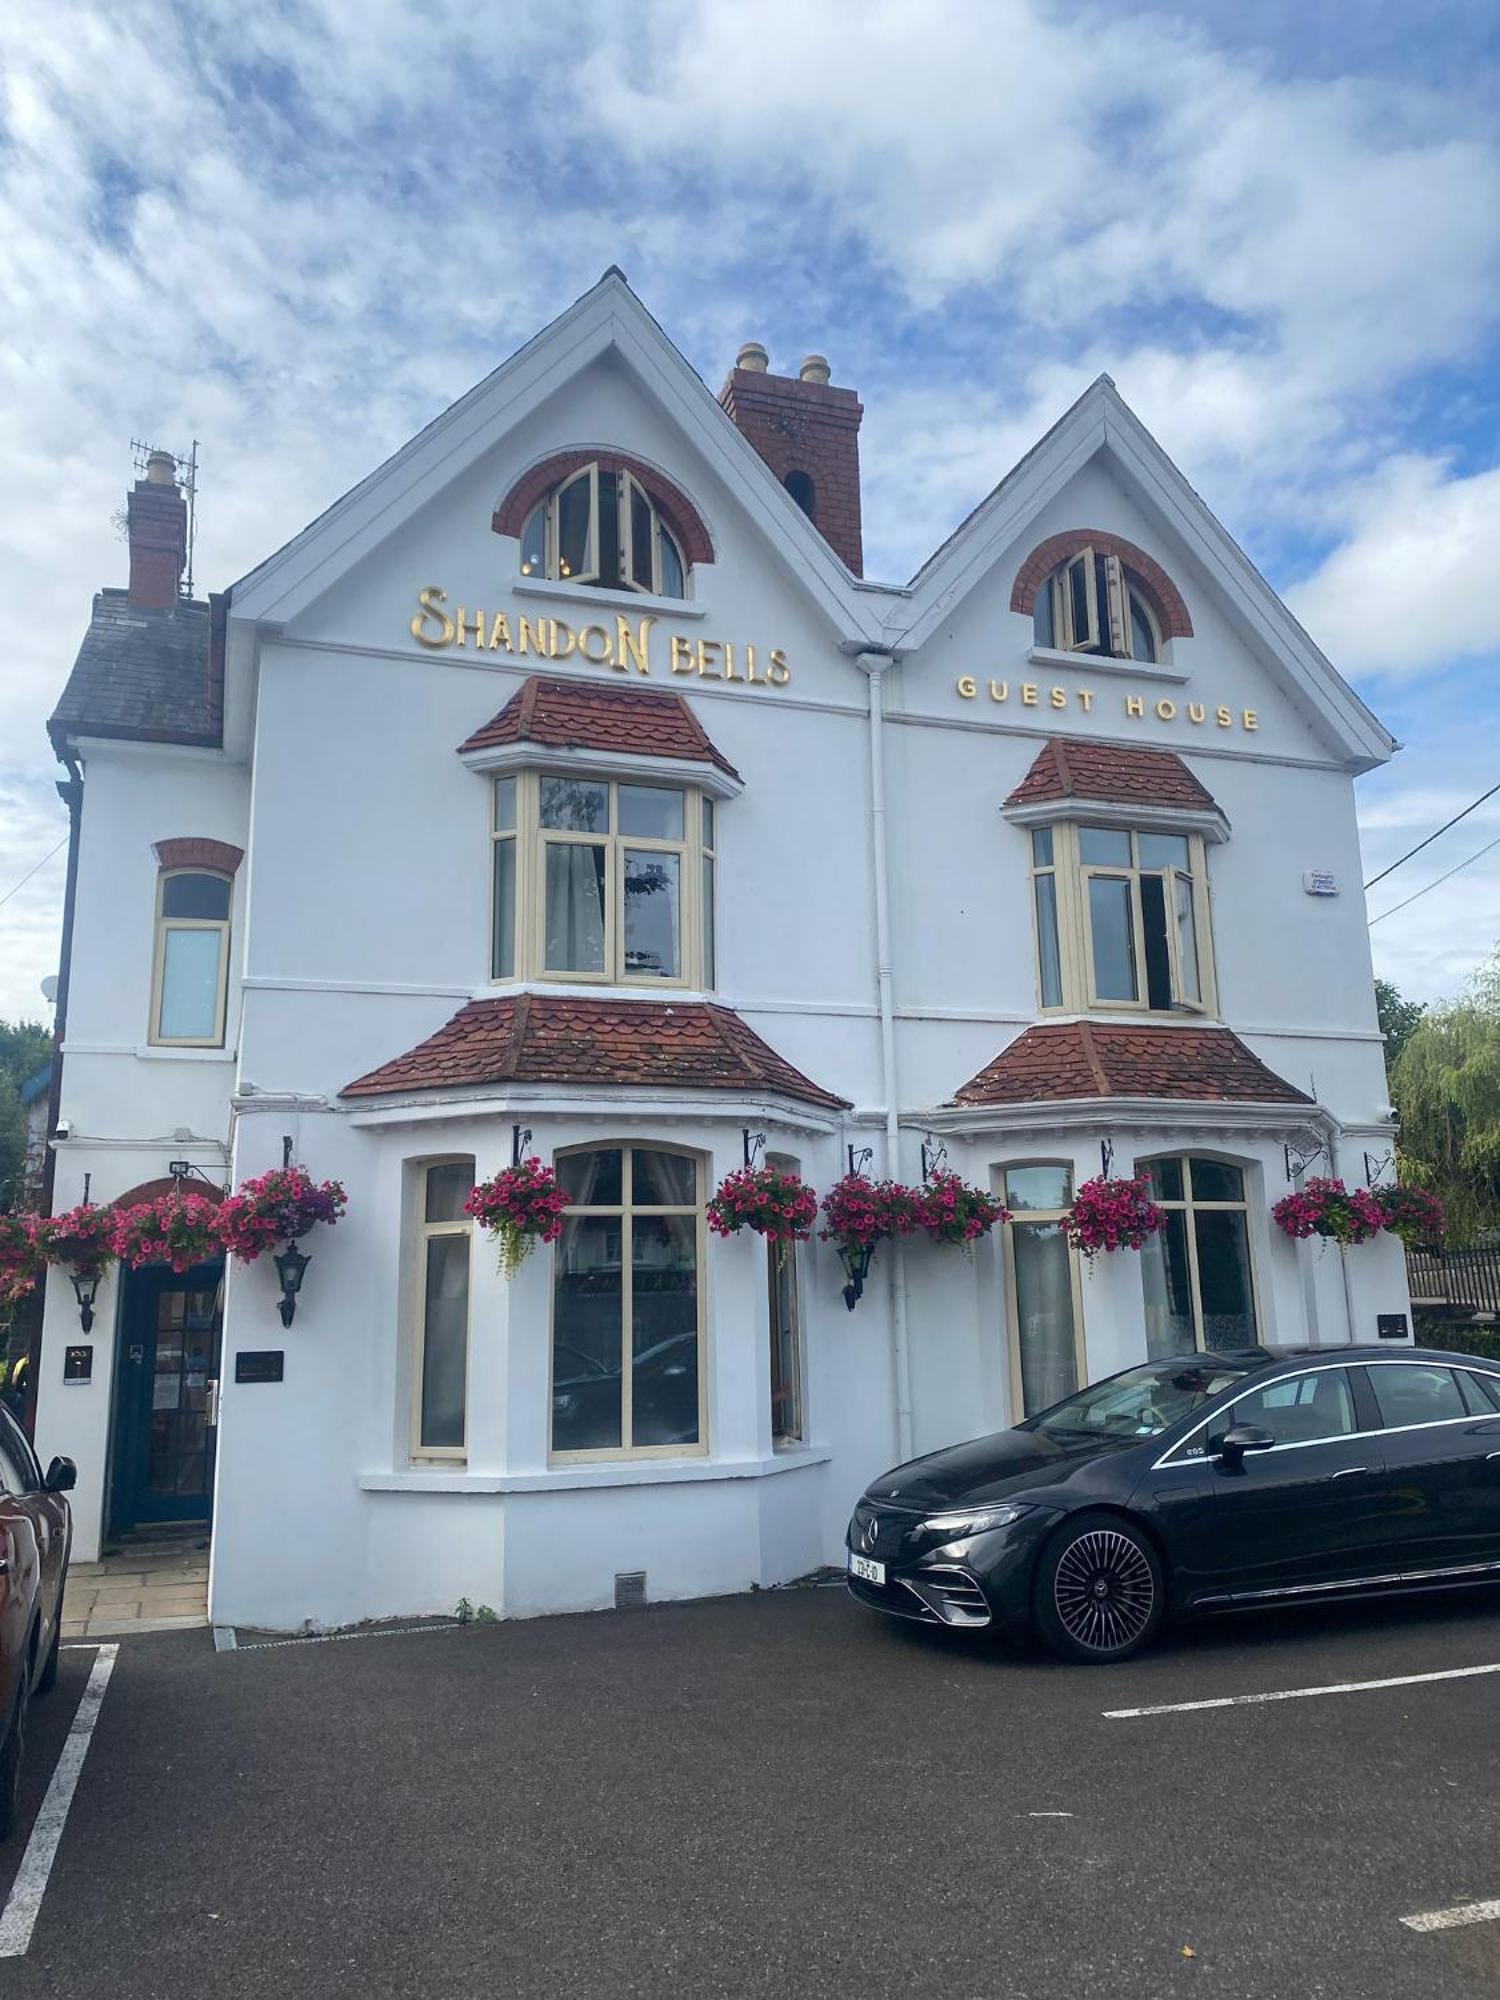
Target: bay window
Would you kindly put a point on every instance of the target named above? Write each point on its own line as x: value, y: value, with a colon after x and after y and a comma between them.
x: 1121, y: 918
x: 600, y: 880
x: 627, y: 1304
x: 1198, y: 1276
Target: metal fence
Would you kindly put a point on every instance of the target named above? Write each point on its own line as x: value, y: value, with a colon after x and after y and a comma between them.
x: 1467, y: 1280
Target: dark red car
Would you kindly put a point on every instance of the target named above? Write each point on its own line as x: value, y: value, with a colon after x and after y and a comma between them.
x: 36, y: 1533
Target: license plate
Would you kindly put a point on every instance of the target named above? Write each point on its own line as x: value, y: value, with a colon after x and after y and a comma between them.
x: 866, y: 1569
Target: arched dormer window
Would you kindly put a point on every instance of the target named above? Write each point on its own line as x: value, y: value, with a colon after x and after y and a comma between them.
x: 602, y: 527
x: 1093, y: 604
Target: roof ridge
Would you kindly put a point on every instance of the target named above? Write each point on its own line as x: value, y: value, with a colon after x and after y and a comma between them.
x: 718, y: 1013
x: 1060, y: 759
x: 1095, y: 1061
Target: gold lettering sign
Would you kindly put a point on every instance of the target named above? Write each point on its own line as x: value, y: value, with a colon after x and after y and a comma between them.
x: 1134, y: 707
x: 627, y: 648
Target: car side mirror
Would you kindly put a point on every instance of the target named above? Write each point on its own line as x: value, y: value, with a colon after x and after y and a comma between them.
x: 1240, y: 1438
x: 62, y: 1476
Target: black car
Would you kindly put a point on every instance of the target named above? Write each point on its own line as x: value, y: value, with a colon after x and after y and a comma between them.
x: 1201, y: 1483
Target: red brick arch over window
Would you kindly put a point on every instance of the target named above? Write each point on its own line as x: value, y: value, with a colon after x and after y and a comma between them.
x: 1156, y: 586
x: 199, y: 852
x: 681, y: 516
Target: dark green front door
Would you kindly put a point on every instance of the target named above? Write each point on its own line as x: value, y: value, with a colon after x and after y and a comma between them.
x: 166, y: 1410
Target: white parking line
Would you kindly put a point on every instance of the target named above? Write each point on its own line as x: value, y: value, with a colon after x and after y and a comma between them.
x: 1298, y: 1694
x: 1450, y: 1920
x: 30, y: 1885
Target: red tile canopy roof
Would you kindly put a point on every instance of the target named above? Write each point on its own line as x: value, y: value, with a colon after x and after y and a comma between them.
x: 600, y: 715
x: 556, y: 1038
x: 1069, y: 1059
x: 1116, y: 774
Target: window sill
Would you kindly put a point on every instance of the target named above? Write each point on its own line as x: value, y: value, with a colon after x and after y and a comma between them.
x: 1100, y: 663
x: 615, y: 1472
x: 612, y: 600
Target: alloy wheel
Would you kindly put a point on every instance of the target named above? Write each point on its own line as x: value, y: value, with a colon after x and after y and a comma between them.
x: 1104, y: 1590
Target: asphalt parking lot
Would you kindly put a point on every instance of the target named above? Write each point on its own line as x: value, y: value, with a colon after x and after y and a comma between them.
x: 769, y: 1794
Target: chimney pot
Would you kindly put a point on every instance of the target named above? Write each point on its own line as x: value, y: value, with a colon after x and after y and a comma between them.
x: 161, y: 468
x: 814, y: 369
x: 754, y: 357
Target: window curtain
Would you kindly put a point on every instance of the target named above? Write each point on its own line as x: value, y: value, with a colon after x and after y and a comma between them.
x: 575, y: 907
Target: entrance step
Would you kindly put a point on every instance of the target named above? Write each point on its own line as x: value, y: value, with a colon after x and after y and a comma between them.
x: 147, y: 1585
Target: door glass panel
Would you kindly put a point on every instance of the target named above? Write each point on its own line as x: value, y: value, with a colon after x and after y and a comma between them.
x: 445, y: 1337
x: 1168, y: 1283
x: 1215, y: 1180
x: 663, y: 1180
x: 1302, y: 1409
x: 1411, y: 1394
x: 1108, y: 846
x: 1484, y: 1391
x: 190, y: 985
x: 652, y: 913
x: 1226, y: 1294
x: 1044, y: 1315
x: 591, y: 1180
x: 1114, y: 938
x: 575, y: 906
x: 1038, y: 1187
x: 586, y: 1333
x: 650, y: 812
x: 664, y: 1337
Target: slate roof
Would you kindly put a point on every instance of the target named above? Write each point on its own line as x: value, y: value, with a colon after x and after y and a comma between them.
x: 557, y: 1038
x: 600, y: 715
x: 1117, y: 774
x: 154, y: 676
x: 1070, y: 1059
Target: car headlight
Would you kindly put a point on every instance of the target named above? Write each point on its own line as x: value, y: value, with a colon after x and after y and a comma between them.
x: 973, y: 1520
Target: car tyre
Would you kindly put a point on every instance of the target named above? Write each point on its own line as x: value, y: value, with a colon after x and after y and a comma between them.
x: 48, y: 1680
x: 1100, y: 1591
x: 13, y: 1752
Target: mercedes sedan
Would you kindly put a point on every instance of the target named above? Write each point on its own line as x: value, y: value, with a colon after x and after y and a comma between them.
x: 1203, y: 1483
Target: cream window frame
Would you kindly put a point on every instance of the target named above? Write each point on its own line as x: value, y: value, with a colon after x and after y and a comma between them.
x: 163, y: 924
x: 422, y: 1233
x: 625, y: 1211
x: 777, y: 1256
x: 1072, y: 875
x: 1019, y: 1219
x: 627, y: 486
x: 1107, y: 624
x: 697, y: 873
x: 1187, y: 1207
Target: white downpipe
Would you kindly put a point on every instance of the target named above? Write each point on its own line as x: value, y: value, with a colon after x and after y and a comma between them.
x: 875, y: 665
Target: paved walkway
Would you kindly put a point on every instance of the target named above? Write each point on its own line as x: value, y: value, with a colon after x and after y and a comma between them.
x: 145, y: 1587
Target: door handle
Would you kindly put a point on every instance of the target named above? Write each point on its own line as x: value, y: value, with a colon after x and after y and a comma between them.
x: 1350, y: 1470
x: 1491, y: 1456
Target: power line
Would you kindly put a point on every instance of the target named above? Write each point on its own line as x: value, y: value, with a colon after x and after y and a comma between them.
x: 34, y: 871
x: 1431, y: 838
x: 1433, y: 885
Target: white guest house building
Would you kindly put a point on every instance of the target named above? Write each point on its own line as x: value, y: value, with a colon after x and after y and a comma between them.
x: 566, y: 789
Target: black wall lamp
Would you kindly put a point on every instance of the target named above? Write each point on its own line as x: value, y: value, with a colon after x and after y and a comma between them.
x: 86, y: 1290
x: 290, y: 1266
x: 855, y: 1258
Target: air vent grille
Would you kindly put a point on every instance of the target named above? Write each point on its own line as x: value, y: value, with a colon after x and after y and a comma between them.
x: 630, y: 1589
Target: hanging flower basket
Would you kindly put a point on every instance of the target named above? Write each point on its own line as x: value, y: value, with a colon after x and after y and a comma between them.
x: 773, y: 1201
x: 953, y: 1212
x: 81, y: 1239
x: 858, y: 1213
x: 179, y: 1229
x: 519, y: 1207
x: 21, y: 1262
x: 276, y: 1207
x: 1411, y: 1213
x: 1327, y: 1208
x: 1113, y: 1215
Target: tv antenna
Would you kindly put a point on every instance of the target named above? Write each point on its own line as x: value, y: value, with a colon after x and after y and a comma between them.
x: 187, y: 479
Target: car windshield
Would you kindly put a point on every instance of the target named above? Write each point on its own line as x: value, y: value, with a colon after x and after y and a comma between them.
x: 1141, y: 1402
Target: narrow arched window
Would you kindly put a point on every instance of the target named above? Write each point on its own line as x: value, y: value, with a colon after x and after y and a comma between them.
x: 802, y: 490
x: 1091, y: 604
x: 191, y: 970
x: 603, y: 528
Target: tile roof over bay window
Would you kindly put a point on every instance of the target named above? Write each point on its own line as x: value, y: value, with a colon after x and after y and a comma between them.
x: 1112, y: 774
x: 610, y: 717
x: 566, y: 1040
x: 1063, y: 1060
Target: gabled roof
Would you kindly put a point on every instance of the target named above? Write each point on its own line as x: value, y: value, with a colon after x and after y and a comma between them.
x: 562, y: 1039
x: 608, y: 319
x: 600, y: 715
x: 1115, y: 773
x: 1101, y: 422
x: 145, y: 674
x: 1059, y: 1060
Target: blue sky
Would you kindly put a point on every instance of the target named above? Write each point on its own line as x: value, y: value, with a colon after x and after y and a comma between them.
x: 298, y: 233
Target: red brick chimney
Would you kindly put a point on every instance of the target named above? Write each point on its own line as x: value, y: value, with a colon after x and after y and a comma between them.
x: 808, y: 433
x: 156, y: 515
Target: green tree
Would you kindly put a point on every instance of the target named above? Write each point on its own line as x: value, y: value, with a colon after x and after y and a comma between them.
x: 1446, y: 1086
x: 1398, y: 1019
x: 24, y: 1047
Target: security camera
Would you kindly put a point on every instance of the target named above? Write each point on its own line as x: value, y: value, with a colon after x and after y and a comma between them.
x: 63, y: 1129
x: 1391, y: 1115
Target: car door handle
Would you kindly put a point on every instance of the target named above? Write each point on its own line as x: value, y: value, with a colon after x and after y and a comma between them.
x: 1349, y: 1471
x: 1491, y: 1456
